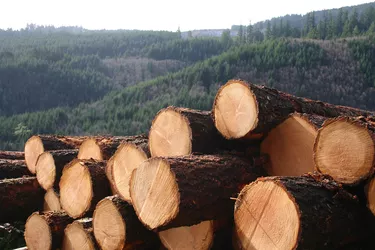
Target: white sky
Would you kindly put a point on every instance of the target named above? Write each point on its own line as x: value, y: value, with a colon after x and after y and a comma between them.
x: 154, y: 14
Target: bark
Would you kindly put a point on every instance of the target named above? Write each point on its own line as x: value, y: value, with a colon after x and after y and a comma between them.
x: 316, y: 121
x: 19, y: 198
x: 12, y: 155
x: 13, y: 169
x: 330, y: 217
x: 57, y: 142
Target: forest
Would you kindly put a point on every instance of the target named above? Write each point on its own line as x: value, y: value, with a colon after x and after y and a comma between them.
x: 75, y: 81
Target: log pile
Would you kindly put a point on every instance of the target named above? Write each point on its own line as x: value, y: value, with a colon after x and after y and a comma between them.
x: 263, y: 170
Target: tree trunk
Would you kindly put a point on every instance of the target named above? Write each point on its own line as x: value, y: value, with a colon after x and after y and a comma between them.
x: 345, y: 149
x: 19, y: 198
x: 46, y: 230
x: 51, y: 201
x: 83, y: 184
x: 192, y: 188
x: 307, y: 212
x: 13, y: 169
x: 37, y: 144
x: 50, y: 165
x: 80, y: 235
x: 290, y: 145
x: 12, y: 155
x: 243, y: 109
x: 116, y: 226
x: 103, y: 147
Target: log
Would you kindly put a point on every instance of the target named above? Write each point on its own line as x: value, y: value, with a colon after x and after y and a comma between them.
x: 245, y: 110
x: 306, y: 212
x: 127, y: 158
x: 12, y: 155
x: 108, y: 172
x: 37, y: 144
x: 80, y: 235
x: 370, y: 195
x: 19, y: 198
x: 290, y: 145
x: 190, y: 189
x: 82, y: 185
x: 51, y: 201
x: 103, y: 147
x: 50, y: 164
x: 344, y: 149
x: 116, y: 226
x: 46, y: 230
x: 13, y: 169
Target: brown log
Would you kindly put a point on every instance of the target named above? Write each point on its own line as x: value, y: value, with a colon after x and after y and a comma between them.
x: 344, y: 149
x: 80, y: 235
x: 243, y: 109
x: 37, y: 144
x: 13, y: 169
x: 12, y: 155
x: 370, y: 194
x: 290, y: 145
x: 183, y: 191
x: 82, y: 185
x: 103, y: 147
x: 50, y: 164
x: 46, y: 230
x: 116, y: 226
x: 127, y: 158
x: 51, y: 201
x: 19, y: 198
x: 307, y: 212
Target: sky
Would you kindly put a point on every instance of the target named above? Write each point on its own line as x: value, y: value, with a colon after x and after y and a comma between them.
x: 154, y: 14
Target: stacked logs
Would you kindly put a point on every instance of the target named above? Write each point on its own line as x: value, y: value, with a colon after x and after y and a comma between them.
x: 199, y: 179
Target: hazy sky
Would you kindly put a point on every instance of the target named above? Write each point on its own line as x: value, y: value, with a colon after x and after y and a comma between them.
x: 154, y: 14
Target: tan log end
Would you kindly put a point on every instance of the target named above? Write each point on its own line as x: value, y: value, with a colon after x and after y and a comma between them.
x: 235, y: 110
x: 33, y: 148
x: 76, y: 189
x: 170, y: 134
x: 38, y: 233
x: 109, y: 226
x: 199, y: 237
x: 90, y: 149
x: 154, y: 193
x: 290, y: 146
x: 51, y: 201
x: 370, y: 194
x: 127, y: 158
x: 266, y: 217
x: 46, y: 170
x: 76, y: 237
x: 345, y: 151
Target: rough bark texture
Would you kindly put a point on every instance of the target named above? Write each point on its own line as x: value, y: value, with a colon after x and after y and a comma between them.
x: 12, y: 155
x: 275, y: 106
x: 207, y: 183
x: 109, y: 144
x: 19, y: 198
x: 330, y: 217
x: 315, y: 120
x: 57, y: 142
x: 86, y: 224
x: 137, y: 236
x: 13, y: 169
x: 57, y: 222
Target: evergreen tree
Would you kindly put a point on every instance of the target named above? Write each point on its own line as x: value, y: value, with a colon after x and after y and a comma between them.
x: 268, y: 35
x: 339, y: 23
x: 240, y: 35
x: 250, y: 35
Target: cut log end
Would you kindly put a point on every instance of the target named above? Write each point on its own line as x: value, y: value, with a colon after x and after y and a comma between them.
x: 90, y: 149
x: 76, y: 237
x: 127, y: 158
x: 76, y: 189
x: 345, y: 151
x: 235, y: 110
x: 199, y: 236
x: 38, y: 233
x: 46, y: 170
x: 33, y: 148
x: 154, y: 177
x: 290, y: 147
x: 266, y: 217
x: 51, y: 201
x: 109, y: 226
x: 170, y: 134
x: 370, y: 193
